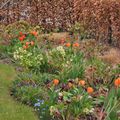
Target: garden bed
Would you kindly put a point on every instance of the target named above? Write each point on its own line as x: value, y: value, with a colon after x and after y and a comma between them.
x: 66, y: 54
x: 65, y: 80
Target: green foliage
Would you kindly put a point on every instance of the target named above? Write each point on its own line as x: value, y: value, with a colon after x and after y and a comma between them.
x: 28, y: 94
x: 74, y: 67
x: 100, y: 73
x: 26, y: 88
x: 112, y: 105
x: 68, y: 104
x: 23, y: 26
x: 55, y: 79
x: 79, y: 29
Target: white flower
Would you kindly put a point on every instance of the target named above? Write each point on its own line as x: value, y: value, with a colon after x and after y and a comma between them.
x: 92, y: 110
x: 81, y: 97
x: 86, y: 110
x: 60, y: 94
x: 61, y: 50
x: 29, y: 54
x: 71, y: 60
x: 89, y: 96
x: 21, y: 57
x: 15, y: 57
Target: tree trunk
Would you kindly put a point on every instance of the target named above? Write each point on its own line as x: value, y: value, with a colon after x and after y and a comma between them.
x: 110, y: 33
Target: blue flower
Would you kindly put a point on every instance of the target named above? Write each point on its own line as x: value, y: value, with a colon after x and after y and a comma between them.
x: 38, y: 103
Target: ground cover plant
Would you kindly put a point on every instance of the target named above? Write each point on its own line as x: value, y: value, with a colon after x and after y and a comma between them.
x: 64, y: 80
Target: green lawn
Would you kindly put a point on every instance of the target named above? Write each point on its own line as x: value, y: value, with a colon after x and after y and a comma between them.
x: 9, y: 108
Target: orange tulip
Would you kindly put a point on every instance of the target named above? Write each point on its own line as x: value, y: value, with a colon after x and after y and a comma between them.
x: 21, y: 33
x: 90, y: 90
x: 117, y: 82
x: 21, y: 38
x: 55, y: 81
x: 32, y: 43
x: 27, y: 43
x: 34, y: 33
x: 76, y: 45
x: 25, y: 46
x: 82, y: 82
x: 67, y: 44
